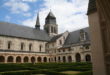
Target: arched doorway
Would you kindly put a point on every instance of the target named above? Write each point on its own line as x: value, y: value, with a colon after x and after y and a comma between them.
x: 88, y: 58
x: 18, y: 59
x: 2, y: 59
x: 64, y: 59
x: 49, y: 59
x: 59, y: 59
x: 45, y: 59
x: 55, y: 59
x: 39, y: 59
x: 69, y: 59
x: 26, y: 59
x: 10, y: 59
x: 78, y: 57
x: 33, y: 59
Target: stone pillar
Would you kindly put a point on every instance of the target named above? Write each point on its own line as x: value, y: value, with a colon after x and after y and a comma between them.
x: 6, y: 58
x: 22, y: 59
x: 14, y: 59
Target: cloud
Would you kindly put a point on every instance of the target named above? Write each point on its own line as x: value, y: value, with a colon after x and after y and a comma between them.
x: 7, y: 18
x: 17, y: 6
x: 70, y: 14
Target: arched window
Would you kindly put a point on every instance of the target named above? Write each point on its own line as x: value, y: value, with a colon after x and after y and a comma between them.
x: 30, y: 47
x: 9, y: 44
x: 69, y: 59
x: 40, y: 48
x: 10, y: 59
x: 60, y: 42
x: 22, y: 46
x: 26, y: 59
x: 18, y: 59
x: 39, y: 59
x: 88, y: 58
x: 59, y: 59
x: 54, y: 30
x: 78, y: 57
x: 33, y: 59
x: 2, y: 59
x: 45, y: 59
x: 64, y: 59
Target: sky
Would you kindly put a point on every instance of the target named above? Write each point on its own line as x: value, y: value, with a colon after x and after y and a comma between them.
x: 70, y: 14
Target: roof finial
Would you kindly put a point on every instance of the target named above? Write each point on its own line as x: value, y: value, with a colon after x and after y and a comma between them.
x: 37, y: 22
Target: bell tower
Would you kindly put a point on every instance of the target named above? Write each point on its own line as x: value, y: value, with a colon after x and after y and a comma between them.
x: 50, y: 25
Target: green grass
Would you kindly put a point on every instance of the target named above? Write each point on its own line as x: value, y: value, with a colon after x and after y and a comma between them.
x: 45, y: 68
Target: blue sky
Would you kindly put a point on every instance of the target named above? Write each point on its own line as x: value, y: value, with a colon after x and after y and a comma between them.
x: 70, y: 14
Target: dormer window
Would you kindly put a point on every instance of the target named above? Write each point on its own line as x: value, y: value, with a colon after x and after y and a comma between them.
x: 82, y: 35
x: 60, y: 42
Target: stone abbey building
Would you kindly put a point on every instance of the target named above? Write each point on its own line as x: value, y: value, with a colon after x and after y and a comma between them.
x: 21, y: 44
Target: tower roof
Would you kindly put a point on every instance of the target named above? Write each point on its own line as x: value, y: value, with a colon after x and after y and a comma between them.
x: 50, y: 15
x: 37, y: 22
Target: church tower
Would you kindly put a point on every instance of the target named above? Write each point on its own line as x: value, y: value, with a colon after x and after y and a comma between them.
x: 37, y: 26
x: 50, y: 25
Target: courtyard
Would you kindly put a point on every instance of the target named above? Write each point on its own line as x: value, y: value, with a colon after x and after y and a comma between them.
x: 46, y: 69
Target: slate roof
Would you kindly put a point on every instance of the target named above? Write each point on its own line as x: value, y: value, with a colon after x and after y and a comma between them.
x: 74, y: 38
x: 13, y: 30
x: 53, y: 39
x: 50, y: 15
x: 91, y: 7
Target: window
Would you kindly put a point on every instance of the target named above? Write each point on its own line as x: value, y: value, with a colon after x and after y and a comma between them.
x: 0, y: 43
x: 22, y: 46
x: 40, y: 48
x: 60, y: 42
x: 86, y: 47
x: 9, y: 44
x: 30, y: 47
x: 63, y: 50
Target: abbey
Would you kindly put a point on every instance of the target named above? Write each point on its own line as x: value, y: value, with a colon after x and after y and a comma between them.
x: 21, y: 44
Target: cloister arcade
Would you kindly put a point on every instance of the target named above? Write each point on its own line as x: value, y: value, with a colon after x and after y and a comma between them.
x: 40, y: 59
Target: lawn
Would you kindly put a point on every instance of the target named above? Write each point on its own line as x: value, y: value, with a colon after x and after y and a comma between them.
x: 46, y: 69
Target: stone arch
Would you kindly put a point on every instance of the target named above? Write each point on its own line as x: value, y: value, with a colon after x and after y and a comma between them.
x: 33, y: 59
x: 39, y: 59
x: 78, y: 57
x: 10, y: 59
x: 69, y: 59
x: 26, y: 59
x: 64, y: 59
x: 18, y: 59
x: 59, y: 59
x: 45, y: 59
x: 2, y: 59
x: 88, y: 58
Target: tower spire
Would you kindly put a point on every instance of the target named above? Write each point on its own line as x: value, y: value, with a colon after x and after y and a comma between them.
x: 37, y: 26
